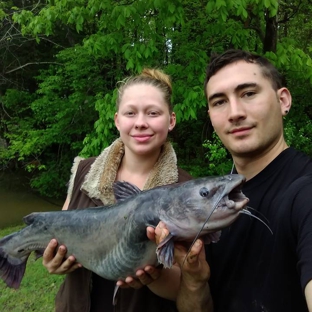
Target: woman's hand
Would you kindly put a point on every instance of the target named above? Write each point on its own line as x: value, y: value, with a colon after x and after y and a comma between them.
x: 143, y: 277
x: 55, y: 261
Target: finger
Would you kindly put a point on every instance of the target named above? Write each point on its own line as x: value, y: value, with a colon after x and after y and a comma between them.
x: 72, y: 268
x: 143, y: 277
x: 150, y: 232
x: 161, y: 232
x: 153, y: 272
x: 134, y: 283
x: 50, y: 250
x: 67, y: 264
x: 195, y: 252
x: 59, y: 256
x: 122, y: 284
x: 183, y: 255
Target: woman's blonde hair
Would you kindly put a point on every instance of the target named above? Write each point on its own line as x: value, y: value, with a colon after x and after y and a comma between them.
x: 149, y: 76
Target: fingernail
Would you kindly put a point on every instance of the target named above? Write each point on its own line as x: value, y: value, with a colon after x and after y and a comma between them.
x: 198, y: 243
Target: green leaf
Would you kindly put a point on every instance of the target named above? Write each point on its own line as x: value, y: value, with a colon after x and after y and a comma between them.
x: 130, y: 64
x: 171, y: 7
x: 210, y: 6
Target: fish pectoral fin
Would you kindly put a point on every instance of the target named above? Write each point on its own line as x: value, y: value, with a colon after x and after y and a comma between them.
x: 211, y: 237
x: 165, y: 251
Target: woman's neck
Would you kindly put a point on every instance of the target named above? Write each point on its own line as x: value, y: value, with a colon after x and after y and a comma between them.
x: 135, y: 169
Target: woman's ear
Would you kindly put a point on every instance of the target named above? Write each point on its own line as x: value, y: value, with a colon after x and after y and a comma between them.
x: 116, y: 121
x: 172, y: 121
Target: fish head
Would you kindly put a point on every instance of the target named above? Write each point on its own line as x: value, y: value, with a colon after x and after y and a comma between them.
x: 206, y: 205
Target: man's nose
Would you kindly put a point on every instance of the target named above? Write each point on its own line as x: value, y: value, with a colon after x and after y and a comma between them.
x: 237, y: 110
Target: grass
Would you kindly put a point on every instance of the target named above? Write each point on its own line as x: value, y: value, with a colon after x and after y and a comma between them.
x: 38, y: 288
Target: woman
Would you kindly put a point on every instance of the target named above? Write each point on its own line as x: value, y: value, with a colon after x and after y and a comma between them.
x: 142, y: 156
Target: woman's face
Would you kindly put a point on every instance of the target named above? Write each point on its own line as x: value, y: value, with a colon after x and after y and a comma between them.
x: 143, y: 119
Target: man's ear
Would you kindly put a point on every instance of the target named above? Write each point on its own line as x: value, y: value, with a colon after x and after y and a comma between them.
x: 284, y: 97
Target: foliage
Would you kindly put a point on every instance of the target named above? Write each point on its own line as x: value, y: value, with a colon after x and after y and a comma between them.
x: 62, y: 60
x: 220, y: 161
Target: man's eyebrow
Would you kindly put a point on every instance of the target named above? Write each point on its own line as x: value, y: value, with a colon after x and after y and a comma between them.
x: 245, y: 85
x: 216, y: 95
x: 237, y: 88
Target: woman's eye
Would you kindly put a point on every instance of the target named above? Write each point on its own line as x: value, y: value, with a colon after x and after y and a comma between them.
x: 153, y: 113
x: 129, y: 113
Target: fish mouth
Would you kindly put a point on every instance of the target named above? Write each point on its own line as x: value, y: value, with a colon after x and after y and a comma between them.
x: 235, y: 199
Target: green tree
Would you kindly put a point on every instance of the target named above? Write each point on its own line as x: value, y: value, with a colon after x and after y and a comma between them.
x: 94, y: 44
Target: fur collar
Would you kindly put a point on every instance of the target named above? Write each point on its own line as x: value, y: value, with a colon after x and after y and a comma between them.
x: 102, y: 174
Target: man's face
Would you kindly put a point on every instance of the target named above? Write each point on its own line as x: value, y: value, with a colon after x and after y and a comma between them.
x: 245, y: 111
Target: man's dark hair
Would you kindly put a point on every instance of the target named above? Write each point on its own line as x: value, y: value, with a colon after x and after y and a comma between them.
x: 218, y: 61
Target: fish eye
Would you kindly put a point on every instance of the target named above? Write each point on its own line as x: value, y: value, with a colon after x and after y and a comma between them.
x: 204, y: 192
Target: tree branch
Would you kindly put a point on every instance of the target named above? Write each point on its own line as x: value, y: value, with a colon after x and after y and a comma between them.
x: 34, y: 63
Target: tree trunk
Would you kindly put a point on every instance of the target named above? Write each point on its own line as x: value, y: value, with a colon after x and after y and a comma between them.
x: 270, y: 38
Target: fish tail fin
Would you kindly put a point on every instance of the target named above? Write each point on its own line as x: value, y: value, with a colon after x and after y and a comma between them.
x: 12, y: 269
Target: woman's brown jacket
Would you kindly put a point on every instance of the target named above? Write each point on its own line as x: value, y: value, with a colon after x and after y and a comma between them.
x: 90, y: 186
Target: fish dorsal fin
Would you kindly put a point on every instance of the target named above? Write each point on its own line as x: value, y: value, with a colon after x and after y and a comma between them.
x: 29, y: 219
x: 124, y: 190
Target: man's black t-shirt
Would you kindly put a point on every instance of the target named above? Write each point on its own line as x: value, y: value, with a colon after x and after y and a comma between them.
x: 253, y: 270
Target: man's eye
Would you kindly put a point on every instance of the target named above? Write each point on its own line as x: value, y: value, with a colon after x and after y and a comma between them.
x: 218, y: 103
x: 249, y: 94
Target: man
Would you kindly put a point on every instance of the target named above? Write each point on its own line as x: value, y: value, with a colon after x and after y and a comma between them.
x: 251, y: 269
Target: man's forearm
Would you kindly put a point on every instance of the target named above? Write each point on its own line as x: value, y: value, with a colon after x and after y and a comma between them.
x: 194, y: 298
x: 167, y: 286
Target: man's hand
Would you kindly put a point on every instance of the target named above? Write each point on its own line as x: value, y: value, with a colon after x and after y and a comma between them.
x: 193, y: 293
x: 194, y: 266
x: 55, y: 262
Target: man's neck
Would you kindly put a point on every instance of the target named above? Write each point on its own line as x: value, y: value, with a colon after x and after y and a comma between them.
x: 251, y: 165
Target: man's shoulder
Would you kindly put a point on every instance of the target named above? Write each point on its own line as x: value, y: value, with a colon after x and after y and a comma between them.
x: 298, y: 164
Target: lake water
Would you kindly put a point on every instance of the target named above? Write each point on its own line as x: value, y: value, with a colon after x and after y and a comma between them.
x: 15, y: 202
